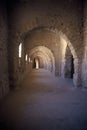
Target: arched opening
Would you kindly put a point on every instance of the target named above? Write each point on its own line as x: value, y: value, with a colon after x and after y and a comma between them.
x: 69, y: 67
x: 36, y: 63
x: 69, y: 64
x: 42, y: 57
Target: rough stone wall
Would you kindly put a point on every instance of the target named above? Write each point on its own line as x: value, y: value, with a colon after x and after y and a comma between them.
x: 62, y: 15
x: 84, y: 64
x: 4, y: 82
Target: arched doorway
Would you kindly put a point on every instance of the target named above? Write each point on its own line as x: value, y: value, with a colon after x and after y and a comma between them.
x: 69, y: 64
x: 42, y: 57
x: 36, y: 63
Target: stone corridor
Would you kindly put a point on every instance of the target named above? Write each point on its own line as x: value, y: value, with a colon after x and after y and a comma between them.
x: 44, y: 102
x: 43, y: 64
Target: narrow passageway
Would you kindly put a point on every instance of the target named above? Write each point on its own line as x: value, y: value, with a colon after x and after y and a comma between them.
x: 43, y: 102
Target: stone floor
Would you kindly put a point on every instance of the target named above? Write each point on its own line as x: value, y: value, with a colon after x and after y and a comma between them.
x: 43, y: 102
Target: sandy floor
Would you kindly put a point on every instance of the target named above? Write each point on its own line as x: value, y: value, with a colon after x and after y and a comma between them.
x: 43, y: 102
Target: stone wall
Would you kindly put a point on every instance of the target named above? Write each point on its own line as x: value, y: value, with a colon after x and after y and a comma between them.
x: 84, y: 65
x: 63, y: 16
x: 40, y: 23
x: 4, y: 82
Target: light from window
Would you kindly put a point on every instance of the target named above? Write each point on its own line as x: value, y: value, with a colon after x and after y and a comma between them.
x: 26, y: 57
x: 20, y: 50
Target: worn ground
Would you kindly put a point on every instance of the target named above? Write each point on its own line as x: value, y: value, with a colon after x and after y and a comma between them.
x: 43, y: 102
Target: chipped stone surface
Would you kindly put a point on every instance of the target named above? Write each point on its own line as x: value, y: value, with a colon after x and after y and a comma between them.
x: 4, y: 83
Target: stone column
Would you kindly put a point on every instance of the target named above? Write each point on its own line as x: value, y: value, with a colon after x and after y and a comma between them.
x: 84, y: 64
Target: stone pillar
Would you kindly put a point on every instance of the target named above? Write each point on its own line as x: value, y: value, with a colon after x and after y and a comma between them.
x: 77, y: 73
x: 84, y: 64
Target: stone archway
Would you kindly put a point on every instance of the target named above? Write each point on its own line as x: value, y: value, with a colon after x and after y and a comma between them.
x: 45, y: 54
x: 36, y: 63
x: 60, y: 66
x: 76, y: 74
x: 69, y: 64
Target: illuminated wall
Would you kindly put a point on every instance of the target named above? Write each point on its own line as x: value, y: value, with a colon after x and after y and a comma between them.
x: 46, y: 56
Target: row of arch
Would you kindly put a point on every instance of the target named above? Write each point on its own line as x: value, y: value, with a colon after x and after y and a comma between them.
x: 43, y: 57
